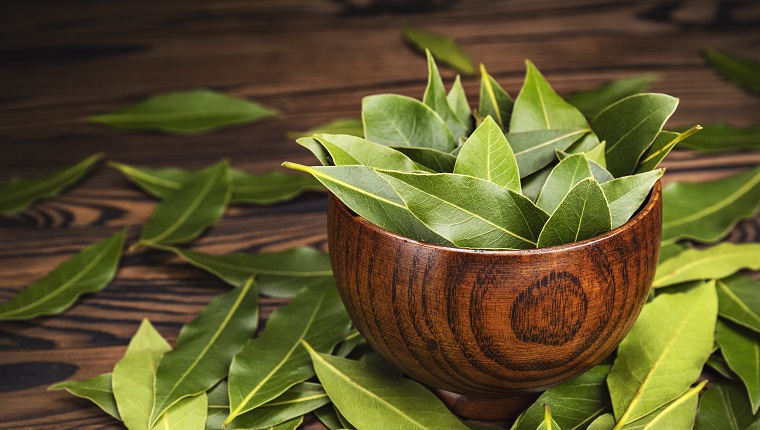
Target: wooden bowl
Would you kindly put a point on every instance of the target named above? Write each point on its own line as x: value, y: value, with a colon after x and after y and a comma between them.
x: 492, y: 329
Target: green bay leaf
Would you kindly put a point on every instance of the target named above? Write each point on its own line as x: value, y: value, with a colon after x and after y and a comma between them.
x: 625, y: 195
x: 269, y: 188
x: 187, y: 112
x: 724, y: 406
x: 470, y: 212
x: 395, y: 120
x: 487, y: 155
x: 715, y: 262
x: 534, y: 183
x: 676, y: 415
x: 663, y: 143
x: 267, y: 366
x: 457, y: 99
x: 350, y: 126
x: 328, y: 416
x: 741, y: 71
x: 741, y: 349
x: 435, y: 97
x: 494, y: 101
x: 351, y: 150
x: 19, y: 193
x: 429, y: 159
x: 548, y: 422
x: 603, y: 422
x: 739, y: 300
x: 300, y: 399
x: 707, y: 211
x: 205, y: 348
x: 663, y: 354
x: 597, y: 170
x: 97, y: 390
x: 86, y: 272
x: 317, y: 149
x: 442, y: 47
x: 724, y: 137
x: 630, y: 126
x: 367, y: 396
x: 592, y: 102
x: 536, y: 149
x: 563, y: 177
x: 582, y: 213
x: 159, y: 183
x: 189, y: 413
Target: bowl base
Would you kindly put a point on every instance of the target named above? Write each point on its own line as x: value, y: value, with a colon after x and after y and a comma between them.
x: 486, y: 408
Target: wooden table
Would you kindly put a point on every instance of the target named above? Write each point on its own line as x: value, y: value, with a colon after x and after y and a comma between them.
x: 313, y: 61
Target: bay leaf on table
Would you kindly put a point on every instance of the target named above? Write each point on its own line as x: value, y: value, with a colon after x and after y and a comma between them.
x: 367, y: 396
x: 707, y: 211
x: 19, y: 193
x: 396, y: 120
x: 574, y: 404
x: 275, y: 361
x: 663, y: 354
x: 724, y: 137
x: 660, y: 148
x: 188, y: 413
x: 741, y: 71
x: 429, y: 159
x: 548, y: 422
x: 470, y: 212
x: 625, y: 195
x: 185, y: 214
x: 538, y: 107
x: 86, y: 272
x: 370, y: 196
x: 349, y: 150
x: 350, y: 126
x: 269, y: 188
x: 563, y: 177
x: 494, y: 101
x: 457, y: 99
x: 205, y: 348
x: 630, y: 126
x: 739, y: 300
x: 536, y: 149
x: 603, y: 422
x: 671, y: 250
x: 582, y: 214
x: 740, y: 347
x: 297, y: 401
x: 435, y: 97
x: 134, y: 376
x: 186, y: 112
x: 678, y: 414
x: 442, y: 47
x: 97, y: 390
x: 487, y: 155
x: 592, y: 102
x: 724, y: 406
x: 715, y: 262
x: 159, y: 183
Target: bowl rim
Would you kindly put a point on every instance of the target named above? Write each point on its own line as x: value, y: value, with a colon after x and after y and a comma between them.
x: 654, y: 198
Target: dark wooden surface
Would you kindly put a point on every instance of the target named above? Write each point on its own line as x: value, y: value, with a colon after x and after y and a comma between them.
x: 312, y: 60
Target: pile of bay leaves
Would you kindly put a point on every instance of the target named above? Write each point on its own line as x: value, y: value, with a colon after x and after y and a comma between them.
x: 691, y: 360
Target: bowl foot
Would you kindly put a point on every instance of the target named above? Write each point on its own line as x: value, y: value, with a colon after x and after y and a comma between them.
x: 486, y: 408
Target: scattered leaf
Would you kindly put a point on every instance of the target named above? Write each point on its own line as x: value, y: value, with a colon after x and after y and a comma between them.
x: 725, y: 407
x: 349, y: 126
x: 435, y: 97
x: 86, y: 272
x: 625, y: 195
x: 97, y: 390
x: 739, y: 300
x: 187, y: 112
x: 676, y: 415
x: 19, y: 193
x: 592, y: 102
x: 294, y: 403
x: 159, y: 183
x: 442, y: 47
x: 715, y: 262
x: 582, y: 214
x: 741, y: 349
x: 741, y: 71
x: 561, y: 180
x: 663, y: 143
x: 487, y: 155
x: 724, y: 137
x: 494, y: 101
x: 269, y: 188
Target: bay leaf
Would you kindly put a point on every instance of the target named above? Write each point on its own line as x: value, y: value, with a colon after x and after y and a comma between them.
x: 348, y: 150
x: 598, y: 155
x: 671, y: 250
x: 718, y: 364
x: 630, y: 126
x: 367, y: 396
x: 533, y: 183
x: 185, y: 214
x: 574, y: 404
x: 457, y: 99
x: 538, y: 107
x: 494, y: 101
x: 370, y: 196
x: 275, y: 361
x: 470, y: 212
x: 582, y: 214
x: 739, y: 300
x: 428, y: 159
x: 715, y: 262
x: 205, y: 348
x: 97, y: 390
x: 442, y: 47
x: 218, y: 406
x: 741, y: 349
x: 349, y: 343
x: 19, y: 193
x: 86, y: 272
x: 317, y: 149
x: 741, y: 71
x: 435, y: 97
x: 548, y: 423
x: 292, y: 424
x: 159, y: 183
x: 278, y: 274
x: 592, y: 102
x: 588, y: 142
x: 328, y: 416
x: 724, y: 137
x: 186, y: 112
x: 134, y: 376
x: 350, y: 126
x: 676, y: 415
x: 603, y: 422
x: 269, y: 188
x: 663, y: 354
x: 396, y: 120
x: 536, y: 149
x: 724, y: 406
x: 625, y: 195
x: 597, y: 171
x: 188, y: 413
x: 707, y: 211
x: 561, y: 180
x: 300, y: 399
x: 663, y: 143
x: 487, y: 155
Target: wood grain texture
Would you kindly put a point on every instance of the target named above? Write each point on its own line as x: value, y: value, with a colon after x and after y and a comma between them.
x: 313, y: 61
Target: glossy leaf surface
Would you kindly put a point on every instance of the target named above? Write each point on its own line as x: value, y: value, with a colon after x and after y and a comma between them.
x: 487, y: 155
x: 625, y: 195
x: 741, y: 349
x: 442, y: 47
x: 97, y: 390
x: 739, y: 300
x: 715, y: 262
x: 592, y: 102
x: 582, y: 214
x: 396, y: 120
